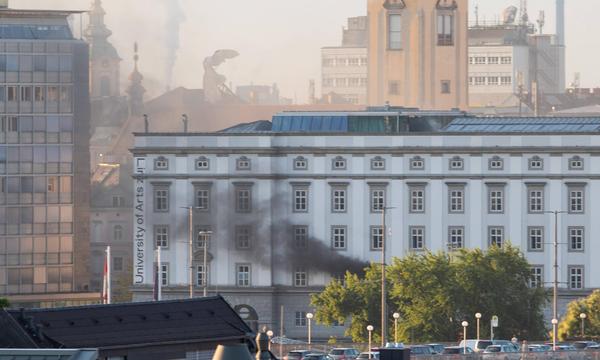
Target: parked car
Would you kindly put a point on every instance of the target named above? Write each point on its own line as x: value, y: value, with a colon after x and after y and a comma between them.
x: 437, y: 348
x: 344, y: 353
x: 507, y: 342
x: 508, y: 350
x: 317, y: 356
x: 565, y: 348
x: 296, y: 355
x: 593, y: 347
x: 476, y: 345
x: 455, y: 350
x: 539, y: 348
x: 365, y: 355
x: 421, y: 350
x: 581, y: 345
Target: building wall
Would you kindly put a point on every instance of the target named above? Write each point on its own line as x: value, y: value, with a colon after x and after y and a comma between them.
x: 344, y: 72
x: 412, y: 74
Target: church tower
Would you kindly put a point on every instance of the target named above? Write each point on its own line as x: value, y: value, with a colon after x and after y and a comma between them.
x: 418, y: 53
x: 135, y: 90
x: 104, y: 59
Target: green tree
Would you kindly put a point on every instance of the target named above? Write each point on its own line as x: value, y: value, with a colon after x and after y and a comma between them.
x: 434, y: 293
x: 4, y: 303
x: 570, y: 324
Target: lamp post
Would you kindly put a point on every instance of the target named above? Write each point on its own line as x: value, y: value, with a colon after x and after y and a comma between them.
x: 554, y: 323
x: 582, y: 316
x: 205, y: 235
x: 478, y: 317
x: 270, y: 335
x: 396, y: 317
x: 464, y: 325
x: 383, y: 284
x: 190, y: 210
x: 309, y: 317
x: 370, y: 330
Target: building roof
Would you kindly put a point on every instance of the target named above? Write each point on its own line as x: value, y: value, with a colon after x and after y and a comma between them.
x: 524, y: 124
x: 252, y: 127
x: 136, y: 324
x: 11, y: 334
x: 46, y: 354
x: 35, y: 32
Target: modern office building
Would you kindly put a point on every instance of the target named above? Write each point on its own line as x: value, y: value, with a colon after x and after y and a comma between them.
x: 292, y: 207
x: 44, y: 159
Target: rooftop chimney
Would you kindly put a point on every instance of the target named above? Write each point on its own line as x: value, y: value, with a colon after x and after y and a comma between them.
x: 3, y: 4
x: 560, y: 22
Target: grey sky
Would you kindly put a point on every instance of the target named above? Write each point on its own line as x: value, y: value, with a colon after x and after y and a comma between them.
x: 280, y: 40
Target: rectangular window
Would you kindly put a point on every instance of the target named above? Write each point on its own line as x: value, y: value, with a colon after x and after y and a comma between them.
x: 300, y: 234
x: 161, y: 236
x: 506, y: 60
x: 536, y: 200
x: 300, y: 318
x: 202, y: 198
x: 456, y: 199
x: 393, y: 87
x: 537, y: 276
x: 493, y: 60
x: 479, y: 80
x: 243, y: 199
x: 300, y: 163
x: 417, y: 237
x: 417, y: 199
x: 243, y: 237
x: 479, y: 60
x: 505, y: 80
x: 376, y: 237
x: 161, y: 163
x: 456, y: 237
x: 300, y: 277
x: 576, y: 163
x: 576, y: 238
x: 378, y: 163
x: 202, y: 163
x: 377, y: 199
x: 243, y: 275
x: 338, y: 163
x: 575, y: 277
x: 338, y: 199
x: 117, y: 263
x: 445, y: 30
x: 536, y: 163
x: 495, y: 163
x: 445, y: 84
x: 26, y: 93
x: 576, y: 200
x: 395, y: 32
x: 243, y: 163
x: 164, y: 274
x: 496, y: 236
x: 493, y: 80
x: 201, y: 275
x: 535, y: 238
x: 496, y: 200
x: 417, y: 163
x: 300, y: 199
x: 161, y: 199
x: 456, y: 163
x: 338, y: 237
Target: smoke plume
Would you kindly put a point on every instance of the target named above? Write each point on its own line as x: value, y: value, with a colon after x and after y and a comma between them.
x: 175, y: 17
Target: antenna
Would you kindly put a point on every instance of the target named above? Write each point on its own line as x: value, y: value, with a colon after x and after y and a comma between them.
x: 476, y: 14
x: 523, y: 16
x: 541, y: 21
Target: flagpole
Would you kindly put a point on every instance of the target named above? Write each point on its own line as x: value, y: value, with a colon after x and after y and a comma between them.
x: 108, y: 271
x: 159, y: 277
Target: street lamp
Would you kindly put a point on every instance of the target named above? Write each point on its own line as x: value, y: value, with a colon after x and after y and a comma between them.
x: 309, y: 316
x: 582, y: 316
x: 190, y: 210
x: 478, y: 317
x: 554, y: 323
x: 396, y: 317
x: 383, y: 288
x: 464, y: 325
x: 205, y: 235
x: 555, y: 283
x: 370, y: 330
x: 270, y: 335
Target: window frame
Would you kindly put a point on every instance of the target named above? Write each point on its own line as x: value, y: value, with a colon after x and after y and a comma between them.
x: 417, y: 163
x: 576, y: 163
x: 246, y: 231
x: 570, y: 238
x: 298, y: 242
x: 532, y: 163
x: 579, y: 207
x: 239, y: 201
x: 247, y: 280
x: 335, y: 242
x: 536, y: 205
x: 459, y: 209
x: 456, y: 163
x: 411, y: 237
x: 300, y: 277
x: 202, y: 159
x: 391, y: 44
x: 378, y: 163
x: 581, y: 268
x: 204, y: 273
x: 377, y: 203
x: 530, y: 235
x: 161, y: 163
x: 300, y: 319
x: 243, y: 163
x: 493, y: 163
x: 341, y: 161
x: 493, y: 232
x: 411, y: 196
x: 496, y: 205
x: 539, y: 278
x: 298, y: 166
x: 156, y: 234
x: 451, y: 244
x: 207, y: 199
x: 376, y: 234
x: 157, y: 198
x: 339, y: 204
x: 300, y: 203
x: 164, y: 274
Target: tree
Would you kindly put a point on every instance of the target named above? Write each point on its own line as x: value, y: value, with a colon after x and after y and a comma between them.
x: 434, y: 293
x: 4, y: 303
x: 570, y: 324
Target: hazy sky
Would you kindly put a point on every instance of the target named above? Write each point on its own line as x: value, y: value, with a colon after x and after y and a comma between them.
x: 280, y: 40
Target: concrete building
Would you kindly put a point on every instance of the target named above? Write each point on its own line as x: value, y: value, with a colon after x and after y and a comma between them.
x: 292, y: 208
x: 44, y: 159
x: 417, y: 53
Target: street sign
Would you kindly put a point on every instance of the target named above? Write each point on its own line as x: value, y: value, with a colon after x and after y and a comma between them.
x: 494, y: 321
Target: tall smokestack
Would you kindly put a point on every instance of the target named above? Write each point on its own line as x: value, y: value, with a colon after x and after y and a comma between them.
x: 175, y: 17
x: 560, y: 22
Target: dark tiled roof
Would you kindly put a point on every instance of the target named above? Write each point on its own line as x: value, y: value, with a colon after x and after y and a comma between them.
x: 11, y: 333
x: 126, y: 325
x: 524, y: 124
x: 253, y: 127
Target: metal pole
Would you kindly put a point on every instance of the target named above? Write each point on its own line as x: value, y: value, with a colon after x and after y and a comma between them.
x: 309, y: 335
x: 395, y: 330
x: 465, y: 339
x: 491, y: 332
x: 477, y: 329
x: 370, y: 344
x: 281, y: 333
x: 383, y: 289
x: 204, y: 269
x: 190, y: 251
x: 159, y: 280
x: 555, y: 285
x: 582, y: 329
x: 108, y: 276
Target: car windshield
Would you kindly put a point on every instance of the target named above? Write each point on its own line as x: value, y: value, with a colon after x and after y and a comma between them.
x: 483, y: 344
x: 337, y: 352
x: 493, y: 349
x: 451, y: 351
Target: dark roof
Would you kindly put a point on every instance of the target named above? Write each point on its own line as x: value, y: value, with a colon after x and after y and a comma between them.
x: 252, y: 127
x: 127, y: 325
x: 525, y: 124
x: 46, y: 354
x: 11, y: 333
x: 35, y: 32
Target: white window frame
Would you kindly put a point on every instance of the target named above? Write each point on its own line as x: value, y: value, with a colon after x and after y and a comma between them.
x: 376, y: 237
x: 203, y: 233
x: 243, y: 163
x: 338, y: 163
x: 416, y: 236
x: 576, y: 238
x: 243, y: 199
x: 161, y: 163
x: 339, y: 199
x: 339, y: 237
x: 496, y: 163
x: 392, y: 33
x: 161, y: 234
x: 300, y: 236
x: 496, y: 204
x: 456, y: 199
x: 377, y: 198
x: 300, y: 319
x: 576, y: 277
x: 201, y: 274
x: 202, y: 198
x: 301, y: 198
x: 456, y: 236
x: 535, y: 233
x: 161, y: 193
x: 496, y: 236
x: 300, y: 163
x: 535, y: 199
x: 164, y: 274
x: 537, y: 276
x: 243, y: 275
x: 300, y: 277
x: 456, y: 163
x: 202, y: 163
x: 536, y: 163
x: 576, y: 163
x: 243, y: 237
x: 378, y: 163
x: 576, y: 199
x: 417, y: 163
x: 417, y: 198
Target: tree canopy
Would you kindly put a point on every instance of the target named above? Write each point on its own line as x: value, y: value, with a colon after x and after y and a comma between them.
x: 570, y: 324
x: 435, y: 292
x: 4, y: 303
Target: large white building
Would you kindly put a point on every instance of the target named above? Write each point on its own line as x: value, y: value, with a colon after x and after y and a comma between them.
x: 287, y: 208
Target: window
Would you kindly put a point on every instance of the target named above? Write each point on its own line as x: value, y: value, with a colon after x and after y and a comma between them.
x: 496, y: 236
x: 417, y: 163
x: 535, y: 238
x: 338, y: 163
x: 493, y: 80
x: 376, y: 237
x: 300, y: 318
x: 575, y: 277
x: 161, y: 163
x: 300, y: 163
x: 378, y: 163
x: 505, y: 80
x: 161, y: 199
x: 576, y: 200
x: 445, y: 84
x: 493, y: 60
x: 338, y: 199
x: 506, y: 60
x: 417, y: 199
x: 300, y: 236
x: 377, y: 199
x: 536, y: 199
x: 243, y: 275
x: 576, y: 163
x: 536, y: 163
x: 456, y: 199
x: 479, y: 80
x: 496, y: 163
x: 417, y: 237
x: 576, y: 238
x: 496, y: 200
x: 118, y: 201
x: 11, y: 93
x: 338, y: 237
x: 471, y: 60
x: 456, y: 238
x: 456, y: 163
x: 117, y: 263
x: 300, y: 199
x: 243, y: 163
x: 537, y: 276
x: 118, y: 232
x: 164, y: 274
x: 161, y: 236
x: 300, y: 277
x: 203, y: 234
x: 201, y: 275
x: 340, y: 82
x: 395, y: 32
x: 243, y: 237
x: 479, y: 60
x: 393, y: 87
x: 202, y: 198
x: 243, y: 199
x: 26, y: 93
x: 202, y: 163
x: 445, y: 30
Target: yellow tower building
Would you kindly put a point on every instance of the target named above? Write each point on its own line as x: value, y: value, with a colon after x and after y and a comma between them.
x: 418, y: 53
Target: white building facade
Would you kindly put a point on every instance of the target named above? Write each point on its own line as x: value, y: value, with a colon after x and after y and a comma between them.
x: 269, y: 198
x: 344, y: 72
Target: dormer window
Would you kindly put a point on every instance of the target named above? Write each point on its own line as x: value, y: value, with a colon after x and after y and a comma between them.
x: 378, y: 163
x: 300, y: 163
x: 456, y: 163
x: 202, y: 163
x: 338, y: 163
x: 243, y: 163
x: 576, y: 163
x: 417, y: 163
x: 496, y: 163
x: 536, y: 163
x: 161, y: 163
